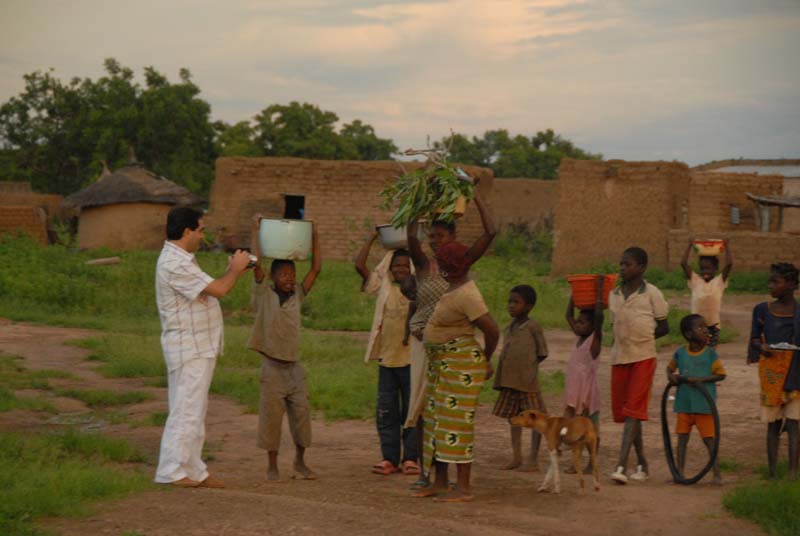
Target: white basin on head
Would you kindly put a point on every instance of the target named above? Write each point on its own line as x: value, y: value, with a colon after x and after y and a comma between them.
x: 285, y: 239
x: 392, y: 238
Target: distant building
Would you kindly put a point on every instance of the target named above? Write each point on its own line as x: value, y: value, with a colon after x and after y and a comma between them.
x: 127, y: 209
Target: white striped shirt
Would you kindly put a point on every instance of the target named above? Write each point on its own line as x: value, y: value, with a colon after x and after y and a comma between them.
x: 191, y: 323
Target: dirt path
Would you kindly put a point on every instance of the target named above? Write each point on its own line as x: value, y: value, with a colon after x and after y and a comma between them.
x: 350, y: 500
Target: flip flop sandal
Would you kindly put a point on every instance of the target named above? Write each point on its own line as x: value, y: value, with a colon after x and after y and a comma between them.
x: 410, y: 468
x: 385, y: 468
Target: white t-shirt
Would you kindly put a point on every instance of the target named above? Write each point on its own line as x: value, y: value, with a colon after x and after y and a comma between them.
x: 707, y: 297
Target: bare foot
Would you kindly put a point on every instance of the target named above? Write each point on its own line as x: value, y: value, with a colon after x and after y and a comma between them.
x: 429, y: 491
x: 302, y: 471
x: 513, y: 464
x: 273, y: 475
x: 528, y: 468
x: 455, y: 495
x: 717, y: 481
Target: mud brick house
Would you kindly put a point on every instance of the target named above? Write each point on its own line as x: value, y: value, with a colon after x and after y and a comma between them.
x: 341, y: 197
x: 127, y: 209
x: 606, y: 206
x: 524, y: 202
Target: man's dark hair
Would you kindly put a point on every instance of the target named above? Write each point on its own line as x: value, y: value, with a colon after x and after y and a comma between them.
x: 687, y: 323
x: 638, y: 254
x: 180, y: 218
x: 527, y: 293
x: 449, y: 226
x: 399, y: 253
x: 277, y: 264
x: 786, y: 270
x: 713, y: 259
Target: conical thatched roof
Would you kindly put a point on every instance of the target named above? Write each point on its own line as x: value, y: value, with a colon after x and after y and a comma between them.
x: 132, y: 184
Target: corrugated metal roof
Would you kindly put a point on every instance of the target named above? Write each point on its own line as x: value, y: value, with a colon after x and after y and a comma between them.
x: 786, y: 171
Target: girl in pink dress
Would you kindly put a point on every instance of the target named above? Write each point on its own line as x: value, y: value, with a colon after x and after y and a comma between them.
x: 581, y: 390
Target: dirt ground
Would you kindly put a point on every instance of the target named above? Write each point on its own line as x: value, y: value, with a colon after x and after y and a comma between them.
x: 348, y: 499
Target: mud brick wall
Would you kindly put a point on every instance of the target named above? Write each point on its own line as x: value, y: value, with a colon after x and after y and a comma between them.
x: 31, y: 220
x: 752, y: 250
x: 15, y: 187
x: 713, y: 194
x: 530, y: 202
x: 340, y: 196
x: 607, y: 206
x: 51, y: 203
x: 124, y: 226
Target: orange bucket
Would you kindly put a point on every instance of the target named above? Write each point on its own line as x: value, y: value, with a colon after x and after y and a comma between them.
x: 709, y: 248
x: 584, y: 289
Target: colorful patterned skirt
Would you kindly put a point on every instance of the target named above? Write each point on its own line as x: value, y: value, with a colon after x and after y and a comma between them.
x: 772, y: 375
x: 456, y: 373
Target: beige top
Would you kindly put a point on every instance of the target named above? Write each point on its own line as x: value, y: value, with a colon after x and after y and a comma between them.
x: 518, y: 366
x: 634, y: 320
x: 454, y: 314
x: 707, y: 297
x: 380, y: 284
x: 276, y: 331
x: 191, y: 322
x: 391, y: 350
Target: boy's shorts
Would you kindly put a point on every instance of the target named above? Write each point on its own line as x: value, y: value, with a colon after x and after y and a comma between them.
x: 703, y: 421
x: 630, y: 389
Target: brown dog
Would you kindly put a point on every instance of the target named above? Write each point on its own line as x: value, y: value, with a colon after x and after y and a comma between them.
x: 577, y: 432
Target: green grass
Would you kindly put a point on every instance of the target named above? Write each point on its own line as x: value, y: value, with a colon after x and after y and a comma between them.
x: 59, y: 474
x: 100, y: 398
x: 775, y: 506
x: 14, y: 376
x: 727, y: 465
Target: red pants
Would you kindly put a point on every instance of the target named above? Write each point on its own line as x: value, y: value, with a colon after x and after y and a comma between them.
x: 630, y: 389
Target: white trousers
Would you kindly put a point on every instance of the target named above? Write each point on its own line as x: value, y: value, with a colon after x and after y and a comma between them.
x: 185, y: 430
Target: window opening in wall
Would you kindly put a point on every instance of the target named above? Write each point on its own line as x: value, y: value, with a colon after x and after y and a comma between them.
x: 735, y: 215
x: 294, y: 207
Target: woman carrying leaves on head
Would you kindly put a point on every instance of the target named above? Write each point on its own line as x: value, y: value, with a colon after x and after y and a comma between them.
x: 457, y: 369
x: 430, y: 287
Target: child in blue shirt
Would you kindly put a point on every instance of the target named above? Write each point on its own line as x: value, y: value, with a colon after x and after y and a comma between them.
x: 696, y: 362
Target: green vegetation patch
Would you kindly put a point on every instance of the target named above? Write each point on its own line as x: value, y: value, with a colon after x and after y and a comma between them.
x: 57, y: 474
x: 14, y: 376
x: 775, y: 506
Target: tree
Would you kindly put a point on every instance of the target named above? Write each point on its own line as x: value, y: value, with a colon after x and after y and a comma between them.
x: 520, y: 156
x: 359, y: 142
x: 306, y: 131
x: 236, y: 140
x: 58, y: 135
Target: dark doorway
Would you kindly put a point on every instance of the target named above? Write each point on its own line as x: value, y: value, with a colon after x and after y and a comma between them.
x: 294, y: 207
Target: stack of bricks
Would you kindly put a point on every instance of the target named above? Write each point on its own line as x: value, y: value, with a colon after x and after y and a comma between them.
x: 24, y: 219
x: 711, y: 196
x: 607, y: 206
x: 341, y: 197
x: 752, y: 250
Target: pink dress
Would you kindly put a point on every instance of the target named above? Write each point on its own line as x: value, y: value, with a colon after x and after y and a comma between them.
x: 581, y: 390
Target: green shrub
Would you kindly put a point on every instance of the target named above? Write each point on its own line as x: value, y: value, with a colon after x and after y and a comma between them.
x: 775, y: 506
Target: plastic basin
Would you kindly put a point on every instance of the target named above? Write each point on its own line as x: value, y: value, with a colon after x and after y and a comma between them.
x: 584, y: 289
x: 709, y: 248
x: 285, y: 239
x: 392, y: 238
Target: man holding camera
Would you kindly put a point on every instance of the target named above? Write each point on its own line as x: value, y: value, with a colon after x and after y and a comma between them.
x: 191, y: 339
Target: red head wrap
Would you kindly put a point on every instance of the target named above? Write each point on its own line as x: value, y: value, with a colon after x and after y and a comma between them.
x: 452, y: 258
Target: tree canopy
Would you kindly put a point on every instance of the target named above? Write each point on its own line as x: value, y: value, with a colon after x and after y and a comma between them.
x: 537, y: 157
x: 58, y: 135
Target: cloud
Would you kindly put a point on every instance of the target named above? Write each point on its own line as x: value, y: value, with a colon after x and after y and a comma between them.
x: 628, y: 78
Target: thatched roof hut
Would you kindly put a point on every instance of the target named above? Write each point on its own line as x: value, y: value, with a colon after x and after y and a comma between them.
x: 127, y: 209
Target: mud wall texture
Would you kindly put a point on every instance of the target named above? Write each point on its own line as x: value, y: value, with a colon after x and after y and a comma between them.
x: 528, y: 202
x: 25, y: 219
x: 606, y: 206
x: 341, y: 197
x: 124, y: 226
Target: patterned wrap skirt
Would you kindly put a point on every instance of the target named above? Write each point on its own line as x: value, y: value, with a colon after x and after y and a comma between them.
x: 772, y: 375
x: 456, y: 373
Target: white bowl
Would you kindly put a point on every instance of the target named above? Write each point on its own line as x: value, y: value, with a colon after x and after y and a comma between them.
x: 392, y: 238
x: 285, y: 239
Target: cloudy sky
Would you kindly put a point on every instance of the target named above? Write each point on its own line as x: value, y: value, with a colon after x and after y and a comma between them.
x: 648, y: 79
